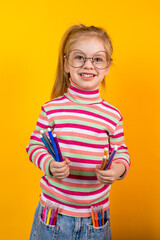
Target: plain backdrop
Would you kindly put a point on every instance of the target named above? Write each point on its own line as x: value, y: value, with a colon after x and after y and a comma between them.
x: 30, y: 32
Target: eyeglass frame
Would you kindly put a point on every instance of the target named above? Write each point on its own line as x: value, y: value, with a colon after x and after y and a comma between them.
x: 87, y: 58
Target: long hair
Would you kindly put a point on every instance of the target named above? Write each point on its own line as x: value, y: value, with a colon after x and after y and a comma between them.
x: 74, y: 33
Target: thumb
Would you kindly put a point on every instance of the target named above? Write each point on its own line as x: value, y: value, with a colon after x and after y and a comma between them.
x: 66, y: 160
x: 98, y: 166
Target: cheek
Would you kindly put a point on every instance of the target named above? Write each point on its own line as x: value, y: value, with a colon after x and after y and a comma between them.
x: 102, y: 76
x: 72, y: 73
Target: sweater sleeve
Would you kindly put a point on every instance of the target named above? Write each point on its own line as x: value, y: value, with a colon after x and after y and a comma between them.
x: 122, y: 155
x: 38, y: 153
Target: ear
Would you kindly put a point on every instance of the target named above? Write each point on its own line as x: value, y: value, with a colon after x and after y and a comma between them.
x: 66, y: 65
x: 107, y: 70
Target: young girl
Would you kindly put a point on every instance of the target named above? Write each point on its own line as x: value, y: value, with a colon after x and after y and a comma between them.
x: 84, y: 124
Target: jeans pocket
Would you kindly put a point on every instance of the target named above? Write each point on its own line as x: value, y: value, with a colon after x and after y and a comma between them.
x: 45, y: 231
x: 102, y: 233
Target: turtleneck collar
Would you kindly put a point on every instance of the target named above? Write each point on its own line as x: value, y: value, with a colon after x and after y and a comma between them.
x: 82, y: 96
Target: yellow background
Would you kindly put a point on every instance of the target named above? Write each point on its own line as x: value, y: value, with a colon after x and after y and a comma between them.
x: 30, y: 33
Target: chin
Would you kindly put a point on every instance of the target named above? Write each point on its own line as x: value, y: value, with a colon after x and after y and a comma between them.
x: 89, y: 87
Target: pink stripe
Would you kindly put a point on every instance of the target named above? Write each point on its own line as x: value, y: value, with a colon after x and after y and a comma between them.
x: 122, y: 147
x: 36, y: 138
x: 118, y: 135
x: 127, y: 160
x: 79, y: 177
x: 106, y: 105
x: 42, y: 125
x: 40, y: 158
x: 77, y: 143
x: 27, y: 149
x: 34, y: 150
x: 82, y: 112
x: 80, y: 160
x: 118, y: 159
x: 84, y: 92
x: 55, y: 100
x: 72, y: 125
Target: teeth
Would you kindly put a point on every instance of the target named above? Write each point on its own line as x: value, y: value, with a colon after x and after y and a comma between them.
x: 87, y: 75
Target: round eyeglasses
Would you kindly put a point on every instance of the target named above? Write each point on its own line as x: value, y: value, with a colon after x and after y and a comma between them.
x: 101, y: 60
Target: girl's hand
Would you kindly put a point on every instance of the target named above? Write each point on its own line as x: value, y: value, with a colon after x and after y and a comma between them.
x: 111, y: 175
x: 59, y: 170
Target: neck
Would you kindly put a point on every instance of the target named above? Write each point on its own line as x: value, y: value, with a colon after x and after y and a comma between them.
x: 89, y: 89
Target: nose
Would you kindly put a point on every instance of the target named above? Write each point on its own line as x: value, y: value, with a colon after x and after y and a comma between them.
x: 88, y: 63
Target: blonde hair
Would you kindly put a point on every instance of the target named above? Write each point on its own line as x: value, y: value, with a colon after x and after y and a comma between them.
x: 75, y: 32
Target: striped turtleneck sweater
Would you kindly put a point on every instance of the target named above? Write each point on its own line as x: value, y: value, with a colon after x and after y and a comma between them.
x: 84, y: 124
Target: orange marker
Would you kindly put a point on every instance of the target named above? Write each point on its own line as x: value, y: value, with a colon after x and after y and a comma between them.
x: 102, y: 216
x: 105, y: 152
x: 103, y: 162
x: 96, y: 218
x: 105, y: 159
x: 92, y: 213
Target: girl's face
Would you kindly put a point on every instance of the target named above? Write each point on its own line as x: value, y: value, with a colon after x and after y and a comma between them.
x: 88, y: 76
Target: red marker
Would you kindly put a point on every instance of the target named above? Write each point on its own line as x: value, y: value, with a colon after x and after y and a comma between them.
x: 44, y: 212
x: 55, y: 217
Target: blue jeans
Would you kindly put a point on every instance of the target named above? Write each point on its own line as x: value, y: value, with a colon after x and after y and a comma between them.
x: 69, y: 228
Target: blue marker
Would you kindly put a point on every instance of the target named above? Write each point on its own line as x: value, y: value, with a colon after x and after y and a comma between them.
x: 58, y: 148
x: 99, y: 219
x: 47, y: 146
x: 47, y: 141
x: 53, y: 144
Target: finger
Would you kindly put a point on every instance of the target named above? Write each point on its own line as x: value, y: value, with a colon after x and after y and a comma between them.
x: 104, y: 181
x: 59, y: 164
x: 105, y: 173
x: 103, y: 177
x: 59, y: 170
x: 66, y: 160
x: 61, y: 175
x: 98, y: 166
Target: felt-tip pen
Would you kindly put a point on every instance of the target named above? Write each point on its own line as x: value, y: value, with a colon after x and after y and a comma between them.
x: 111, y: 158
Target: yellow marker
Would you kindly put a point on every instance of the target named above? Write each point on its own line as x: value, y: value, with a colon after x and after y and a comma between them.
x: 49, y: 215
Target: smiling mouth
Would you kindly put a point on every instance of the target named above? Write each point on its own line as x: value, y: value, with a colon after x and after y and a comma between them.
x: 87, y: 75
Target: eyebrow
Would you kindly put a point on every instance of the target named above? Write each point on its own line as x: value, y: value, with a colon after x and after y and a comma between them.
x: 86, y: 54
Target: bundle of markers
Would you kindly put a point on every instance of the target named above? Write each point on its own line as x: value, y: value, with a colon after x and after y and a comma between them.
x: 97, y: 214
x: 107, y: 161
x: 52, y: 145
x: 49, y: 213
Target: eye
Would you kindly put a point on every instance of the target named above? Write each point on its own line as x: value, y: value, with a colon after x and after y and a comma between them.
x: 98, y: 59
x: 79, y: 57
